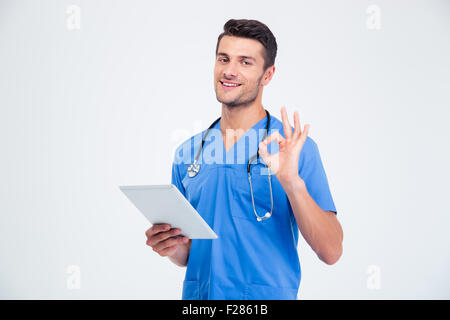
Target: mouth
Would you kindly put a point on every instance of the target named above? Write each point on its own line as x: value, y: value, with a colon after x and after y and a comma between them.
x: 226, y: 85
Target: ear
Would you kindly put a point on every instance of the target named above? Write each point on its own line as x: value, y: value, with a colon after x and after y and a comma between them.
x: 268, y: 74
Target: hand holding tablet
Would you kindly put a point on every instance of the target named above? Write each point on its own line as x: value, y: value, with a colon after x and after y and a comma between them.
x: 168, y: 243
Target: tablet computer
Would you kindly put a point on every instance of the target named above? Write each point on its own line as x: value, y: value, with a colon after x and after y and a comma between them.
x: 166, y: 204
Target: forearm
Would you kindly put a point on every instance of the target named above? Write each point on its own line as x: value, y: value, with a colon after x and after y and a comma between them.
x: 320, y: 229
x: 181, y: 256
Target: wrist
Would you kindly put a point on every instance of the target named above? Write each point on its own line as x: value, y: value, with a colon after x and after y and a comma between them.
x: 293, y: 185
x: 180, y: 256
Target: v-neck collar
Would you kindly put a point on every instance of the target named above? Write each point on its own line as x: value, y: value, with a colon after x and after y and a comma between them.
x: 260, y: 124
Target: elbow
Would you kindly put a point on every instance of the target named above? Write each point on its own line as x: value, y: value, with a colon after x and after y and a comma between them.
x: 331, y: 260
x: 332, y: 256
x: 333, y: 251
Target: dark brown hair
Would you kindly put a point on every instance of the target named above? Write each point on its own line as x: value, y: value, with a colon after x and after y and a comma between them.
x: 252, y: 29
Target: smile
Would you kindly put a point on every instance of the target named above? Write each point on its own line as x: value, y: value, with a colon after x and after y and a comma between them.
x: 228, y: 85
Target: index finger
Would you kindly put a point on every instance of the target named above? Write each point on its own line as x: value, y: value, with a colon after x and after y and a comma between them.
x: 275, y: 136
x: 156, y: 228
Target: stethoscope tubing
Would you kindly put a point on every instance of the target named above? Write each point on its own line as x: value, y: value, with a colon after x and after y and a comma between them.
x: 199, y: 151
x: 194, y: 168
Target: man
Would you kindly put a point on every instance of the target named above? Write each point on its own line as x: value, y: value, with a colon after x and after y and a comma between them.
x: 255, y: 255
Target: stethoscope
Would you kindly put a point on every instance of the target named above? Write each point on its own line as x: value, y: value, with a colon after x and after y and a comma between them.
x: 194, y: 168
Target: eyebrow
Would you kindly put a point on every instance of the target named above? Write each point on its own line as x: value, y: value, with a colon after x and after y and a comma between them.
x: 241, y: 57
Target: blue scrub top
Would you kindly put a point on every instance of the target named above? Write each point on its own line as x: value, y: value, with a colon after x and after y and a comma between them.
x: 250, y: 259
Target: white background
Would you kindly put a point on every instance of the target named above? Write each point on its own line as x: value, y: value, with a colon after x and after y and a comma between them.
x: 83, y: 111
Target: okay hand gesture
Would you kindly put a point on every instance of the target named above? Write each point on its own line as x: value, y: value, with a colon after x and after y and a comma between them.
x: 284, y: 164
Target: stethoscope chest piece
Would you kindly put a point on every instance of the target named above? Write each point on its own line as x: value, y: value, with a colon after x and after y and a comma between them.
x: 266, y: 216
x: 193, y: 169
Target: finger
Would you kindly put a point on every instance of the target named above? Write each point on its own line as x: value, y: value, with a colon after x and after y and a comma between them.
x: 286, y: 125
x: 171, y: 250
x: 297, y: 127
x: 275, y: 136
x: 263, y: 152
x: 305, y: 133
x: 156, y: 228
x: 265, y: 155
x: 165, y: 244
x: 155, y: 239
x: 168, y: 243
x: 168, y: 251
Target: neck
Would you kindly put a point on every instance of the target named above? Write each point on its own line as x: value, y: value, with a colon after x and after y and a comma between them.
x: 241, y: 117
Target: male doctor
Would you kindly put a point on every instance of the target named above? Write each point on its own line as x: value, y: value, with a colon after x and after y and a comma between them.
x: 253, y: 258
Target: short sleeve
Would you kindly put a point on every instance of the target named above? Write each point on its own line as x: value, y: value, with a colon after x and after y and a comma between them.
x: 312, y: 172
x: 176, y: 178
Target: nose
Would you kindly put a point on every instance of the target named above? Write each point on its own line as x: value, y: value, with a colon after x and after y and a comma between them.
x: 230, y: 71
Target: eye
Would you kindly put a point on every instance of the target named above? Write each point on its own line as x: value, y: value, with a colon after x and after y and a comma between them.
x: 222, y: 59
x: 247, y: 63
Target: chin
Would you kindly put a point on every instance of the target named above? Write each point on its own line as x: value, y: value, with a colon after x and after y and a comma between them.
x: 220, y: 97
x: 223, y: 100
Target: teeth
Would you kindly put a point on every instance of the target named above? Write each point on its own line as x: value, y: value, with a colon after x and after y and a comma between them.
x: 230, y: 84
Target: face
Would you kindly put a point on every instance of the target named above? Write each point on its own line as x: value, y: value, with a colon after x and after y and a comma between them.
x: 239, y: 71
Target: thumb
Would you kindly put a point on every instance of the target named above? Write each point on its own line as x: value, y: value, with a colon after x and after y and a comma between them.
x: 264, y: 154
x: 275, y: 136
x: 272, y: 161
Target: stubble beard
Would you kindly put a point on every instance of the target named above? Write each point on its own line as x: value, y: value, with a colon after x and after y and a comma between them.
x: 242, y: 101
